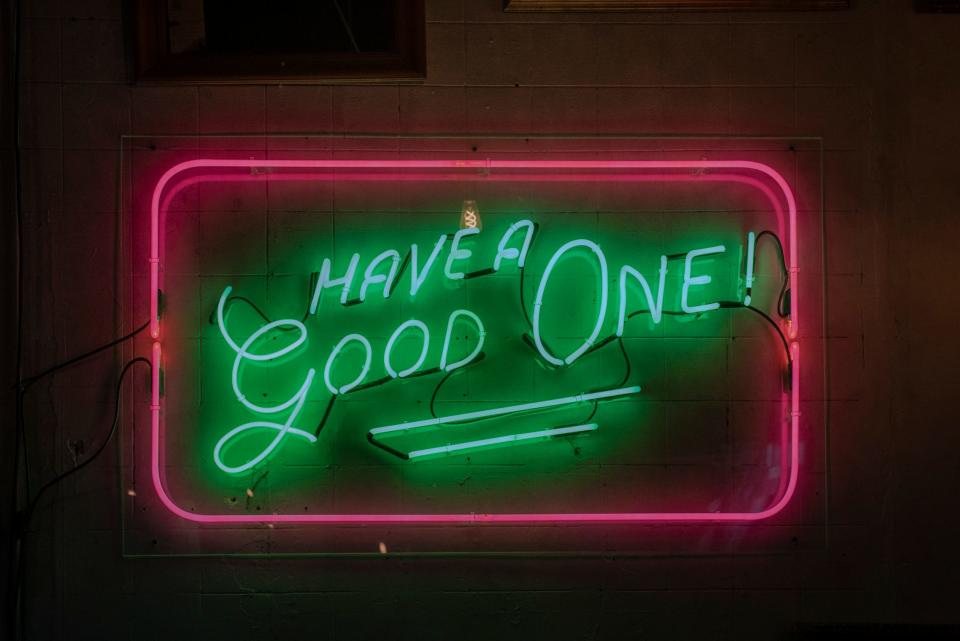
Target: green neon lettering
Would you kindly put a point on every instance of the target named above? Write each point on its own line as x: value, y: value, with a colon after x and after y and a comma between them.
x: 481, y: 334
x: 349, y: 338
x: 511, y: 253
x: 538, y: 302
x: 292, y: 335
x: 416, y: 277
x: 456, y: 253
x: 393, y: 339
x: 655, y: 306
x: 325, y: 282
x: 282, y: 429
x: 689, y: 280
x: 371, y: 278
x: 244, y: 353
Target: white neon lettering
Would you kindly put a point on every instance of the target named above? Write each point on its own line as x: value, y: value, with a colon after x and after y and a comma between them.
x: 689, y: 280
x: 349, y: 338
x: 458, y: 254
x: 393, y: 339
x: 371, y: 278
x: 282, y: 430
x: 655, y: 306
x: 417, y: 278
x: 511, y: 253
x: 243, y: 352
x: 325, y: 282
x: 751, y: 244
x: 538, y: 302
x: 481, y: 333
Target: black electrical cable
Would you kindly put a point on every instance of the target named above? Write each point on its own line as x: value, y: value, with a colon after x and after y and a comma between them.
x: 23, y: 524
x: 732, y: 305
x: 230, y: 299
x: 28, y: 512
x: 779, y: 245
x: 785, y: 273
x: 13, y: 607
x: 326, y: 415
x: 773, y: 324
x: 28, y: 382
x: 436, y: 390
x: 596, y: 405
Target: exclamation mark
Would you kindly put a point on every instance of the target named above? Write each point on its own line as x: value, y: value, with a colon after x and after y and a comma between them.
x: 751, y: 242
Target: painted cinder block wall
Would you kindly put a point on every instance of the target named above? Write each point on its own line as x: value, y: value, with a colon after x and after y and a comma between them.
x: 879, y: 83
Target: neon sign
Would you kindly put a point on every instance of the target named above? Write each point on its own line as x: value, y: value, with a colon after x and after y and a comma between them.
x: 677, y: 284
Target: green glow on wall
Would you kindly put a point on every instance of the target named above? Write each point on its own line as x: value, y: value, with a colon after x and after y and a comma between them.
x: 470, y: 291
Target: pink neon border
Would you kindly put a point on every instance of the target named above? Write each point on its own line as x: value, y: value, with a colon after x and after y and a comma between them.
x: 704, y: 517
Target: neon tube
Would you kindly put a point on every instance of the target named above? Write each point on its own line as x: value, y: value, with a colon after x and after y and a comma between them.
x: 325, y: 281
x: 511, y: 252
x: 481, y: 333
x: 416, y: 279
x: 694, y: 167
x: 458, y: 254
x: 393, y: 338
x: 502, y: 440
x: 222, y: 325
x: 535, y: 517
x: 654, y: 305
x: 243, y: 352
x: 282, y: 430
x: 370, y: 278
x: 509, y: 409
x: 538, y: 302
x: 359, y: 338
x: 692, y: 171
x: 751, y: 244
x: 689, y: 280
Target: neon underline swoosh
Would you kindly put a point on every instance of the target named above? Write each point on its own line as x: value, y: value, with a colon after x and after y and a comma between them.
x: 509, y: 409
x: 502, y: 440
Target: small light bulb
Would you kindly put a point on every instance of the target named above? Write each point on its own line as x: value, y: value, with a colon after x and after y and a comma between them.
x: 470, y: 215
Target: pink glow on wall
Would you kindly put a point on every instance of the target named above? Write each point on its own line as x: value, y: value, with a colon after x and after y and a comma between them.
x: 694, y: 170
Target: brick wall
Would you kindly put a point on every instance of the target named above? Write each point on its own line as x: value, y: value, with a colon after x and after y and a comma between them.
x: 878, y: 83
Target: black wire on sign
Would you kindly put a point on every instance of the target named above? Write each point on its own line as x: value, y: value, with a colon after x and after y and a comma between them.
x: 254, y: 307
x: 784, y: 272
x: 773, y: 324
x: 436, y: 390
